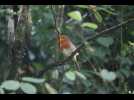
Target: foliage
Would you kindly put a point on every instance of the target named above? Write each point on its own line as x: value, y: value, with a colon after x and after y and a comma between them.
x: 106, y: 62
x: 10, y: 86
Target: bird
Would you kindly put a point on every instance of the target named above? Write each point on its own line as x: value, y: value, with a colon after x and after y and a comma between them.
x: 67, y: 47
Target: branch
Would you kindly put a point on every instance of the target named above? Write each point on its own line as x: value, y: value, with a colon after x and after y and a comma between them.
x: 57, y: 19
x: 59, y: 63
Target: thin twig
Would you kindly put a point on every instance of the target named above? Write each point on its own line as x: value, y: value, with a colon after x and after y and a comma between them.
x: 55, y: 21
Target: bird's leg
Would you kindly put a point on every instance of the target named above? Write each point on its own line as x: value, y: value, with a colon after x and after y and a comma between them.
x: 76, y: 61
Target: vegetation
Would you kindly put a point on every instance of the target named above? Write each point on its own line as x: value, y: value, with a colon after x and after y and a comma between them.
x: 66, y: 49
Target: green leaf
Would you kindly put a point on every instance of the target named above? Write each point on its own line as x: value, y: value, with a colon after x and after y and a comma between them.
x: 68, y: 81
x: 105, y: 41
x: 28, y: 88
x: 98, y: 16
x: 89, y: 25
x: 70, y: 75
x: 82, y: 6
x: 33, y: 80
x: 38, y: 65
x: 99, y: 52
x: 10, y: 85
x: 87, y: 83
x: 132, y: 33
x: 107, y: 11
x: 66, y: 93
x: 1, y: 91
x: 76, y: 15
x: 80, y: 75
x: 131, y: 43
x: 107, y: 76
x: 50, y: 89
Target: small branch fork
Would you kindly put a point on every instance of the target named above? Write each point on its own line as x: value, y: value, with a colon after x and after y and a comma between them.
x: 98, y: 34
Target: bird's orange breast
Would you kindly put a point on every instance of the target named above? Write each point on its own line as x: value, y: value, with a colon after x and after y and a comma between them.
x: 64, y: 42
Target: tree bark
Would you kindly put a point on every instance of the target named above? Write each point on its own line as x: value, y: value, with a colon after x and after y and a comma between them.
x: 20, y: 38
